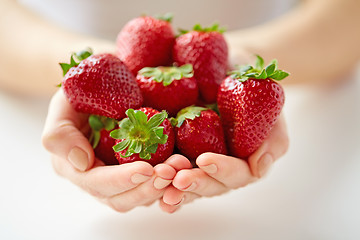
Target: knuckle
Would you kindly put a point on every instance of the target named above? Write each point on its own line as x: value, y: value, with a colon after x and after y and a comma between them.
x: 50, y: 137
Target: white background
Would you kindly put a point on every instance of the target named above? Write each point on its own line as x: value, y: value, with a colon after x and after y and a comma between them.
x: 313, y: 192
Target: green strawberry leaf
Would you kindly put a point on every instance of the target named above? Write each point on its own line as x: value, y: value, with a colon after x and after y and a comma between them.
x: 119, y: 133
x: 83, y: 54
x: 95, y: 139
x: 243, y: 73
x: 188, y: 113
x: 259, y: 63
x: 168, y: 17
x: 127, y: 154
x: 109, y: 124
x: 173, y: 121
x: 214, y: 107
x: 121, y: 146
x: 270, y: 69
x: 125, y: 124
x: 98, y: 123
x: 66, y: 67
x: 279, y: 75
x: 167, y: 75
x: 141, y: 117
x: 141, y: 135
x: 135, y: 146
x: 159, y: 131
x: 157, y: 119
x: 197, y: 27
x: 79, y: 55
x: 152, y: 148
x: 263, y: 74
x: 144, y: 155
x: 213, y: 28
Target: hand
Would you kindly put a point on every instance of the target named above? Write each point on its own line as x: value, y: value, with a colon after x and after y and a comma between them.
x: 218, y: 174
x: 122, y: 187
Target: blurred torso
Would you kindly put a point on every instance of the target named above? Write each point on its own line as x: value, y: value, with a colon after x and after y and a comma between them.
x: 105, y: 18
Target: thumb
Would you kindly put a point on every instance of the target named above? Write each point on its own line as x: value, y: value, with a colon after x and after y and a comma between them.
x: 272, y: 148
x: 62, y: 135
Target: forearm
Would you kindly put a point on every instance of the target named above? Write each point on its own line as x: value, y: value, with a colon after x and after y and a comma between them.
x: 317, y: 42
x: 31, y: 49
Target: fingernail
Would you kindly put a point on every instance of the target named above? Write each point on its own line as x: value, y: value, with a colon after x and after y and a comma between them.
x: 160, y: 183
x: 78, y: 158
x: 264, y: 164
x: 180, y: 202
x: 139, y: 178
x: 211, y: 168
x: 191, y: 187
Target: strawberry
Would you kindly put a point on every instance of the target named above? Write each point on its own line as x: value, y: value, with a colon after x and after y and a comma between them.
x: 101, y: 140
x: 198, y: 130
x: 145, y: 135
x: 250, y: 102
x: 146, y: 42
x: 168, y: 88
x: 101, y: 85
x: 207, y: 50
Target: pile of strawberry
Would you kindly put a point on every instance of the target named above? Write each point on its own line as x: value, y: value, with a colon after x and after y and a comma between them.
x: 156, y: 75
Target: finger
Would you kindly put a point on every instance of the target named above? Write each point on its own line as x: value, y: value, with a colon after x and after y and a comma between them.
x: 145, y: 193
x: 198, y: 182
x: 164, y: 175
x: 272, y: 148
x: 142, y: 195
x: 230, y: 171
x: 178, y: 162
x: 173, y: 199
x: 106, y: 181
x: 62, y: 137
x: 168, y: 208
x: 173, y: 196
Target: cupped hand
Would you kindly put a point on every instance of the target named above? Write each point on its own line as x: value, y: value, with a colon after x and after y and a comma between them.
x: 218, y: 174
x: 122, y: 187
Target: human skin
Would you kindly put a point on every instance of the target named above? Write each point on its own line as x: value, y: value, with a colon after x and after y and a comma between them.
x: 316, y: 42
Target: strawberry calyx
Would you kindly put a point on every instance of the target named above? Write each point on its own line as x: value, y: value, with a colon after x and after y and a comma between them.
x: 140, y: 135
x: 259, y: 71
x: 98, y: 123
x: 197, y: 27
x: 190, y: 112
x: 81, y: 55
x: 168, y: 17
x: 167, y: 75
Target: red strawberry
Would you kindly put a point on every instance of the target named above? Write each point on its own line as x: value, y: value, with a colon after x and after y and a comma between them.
x: 198, y: 130
x: 250, y: 102
x: 102, y: 85
x: 146, y: 135
x: 145, y: 42
x: 168, y: 88
x: 207, y: 50
x: 101, y: 140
